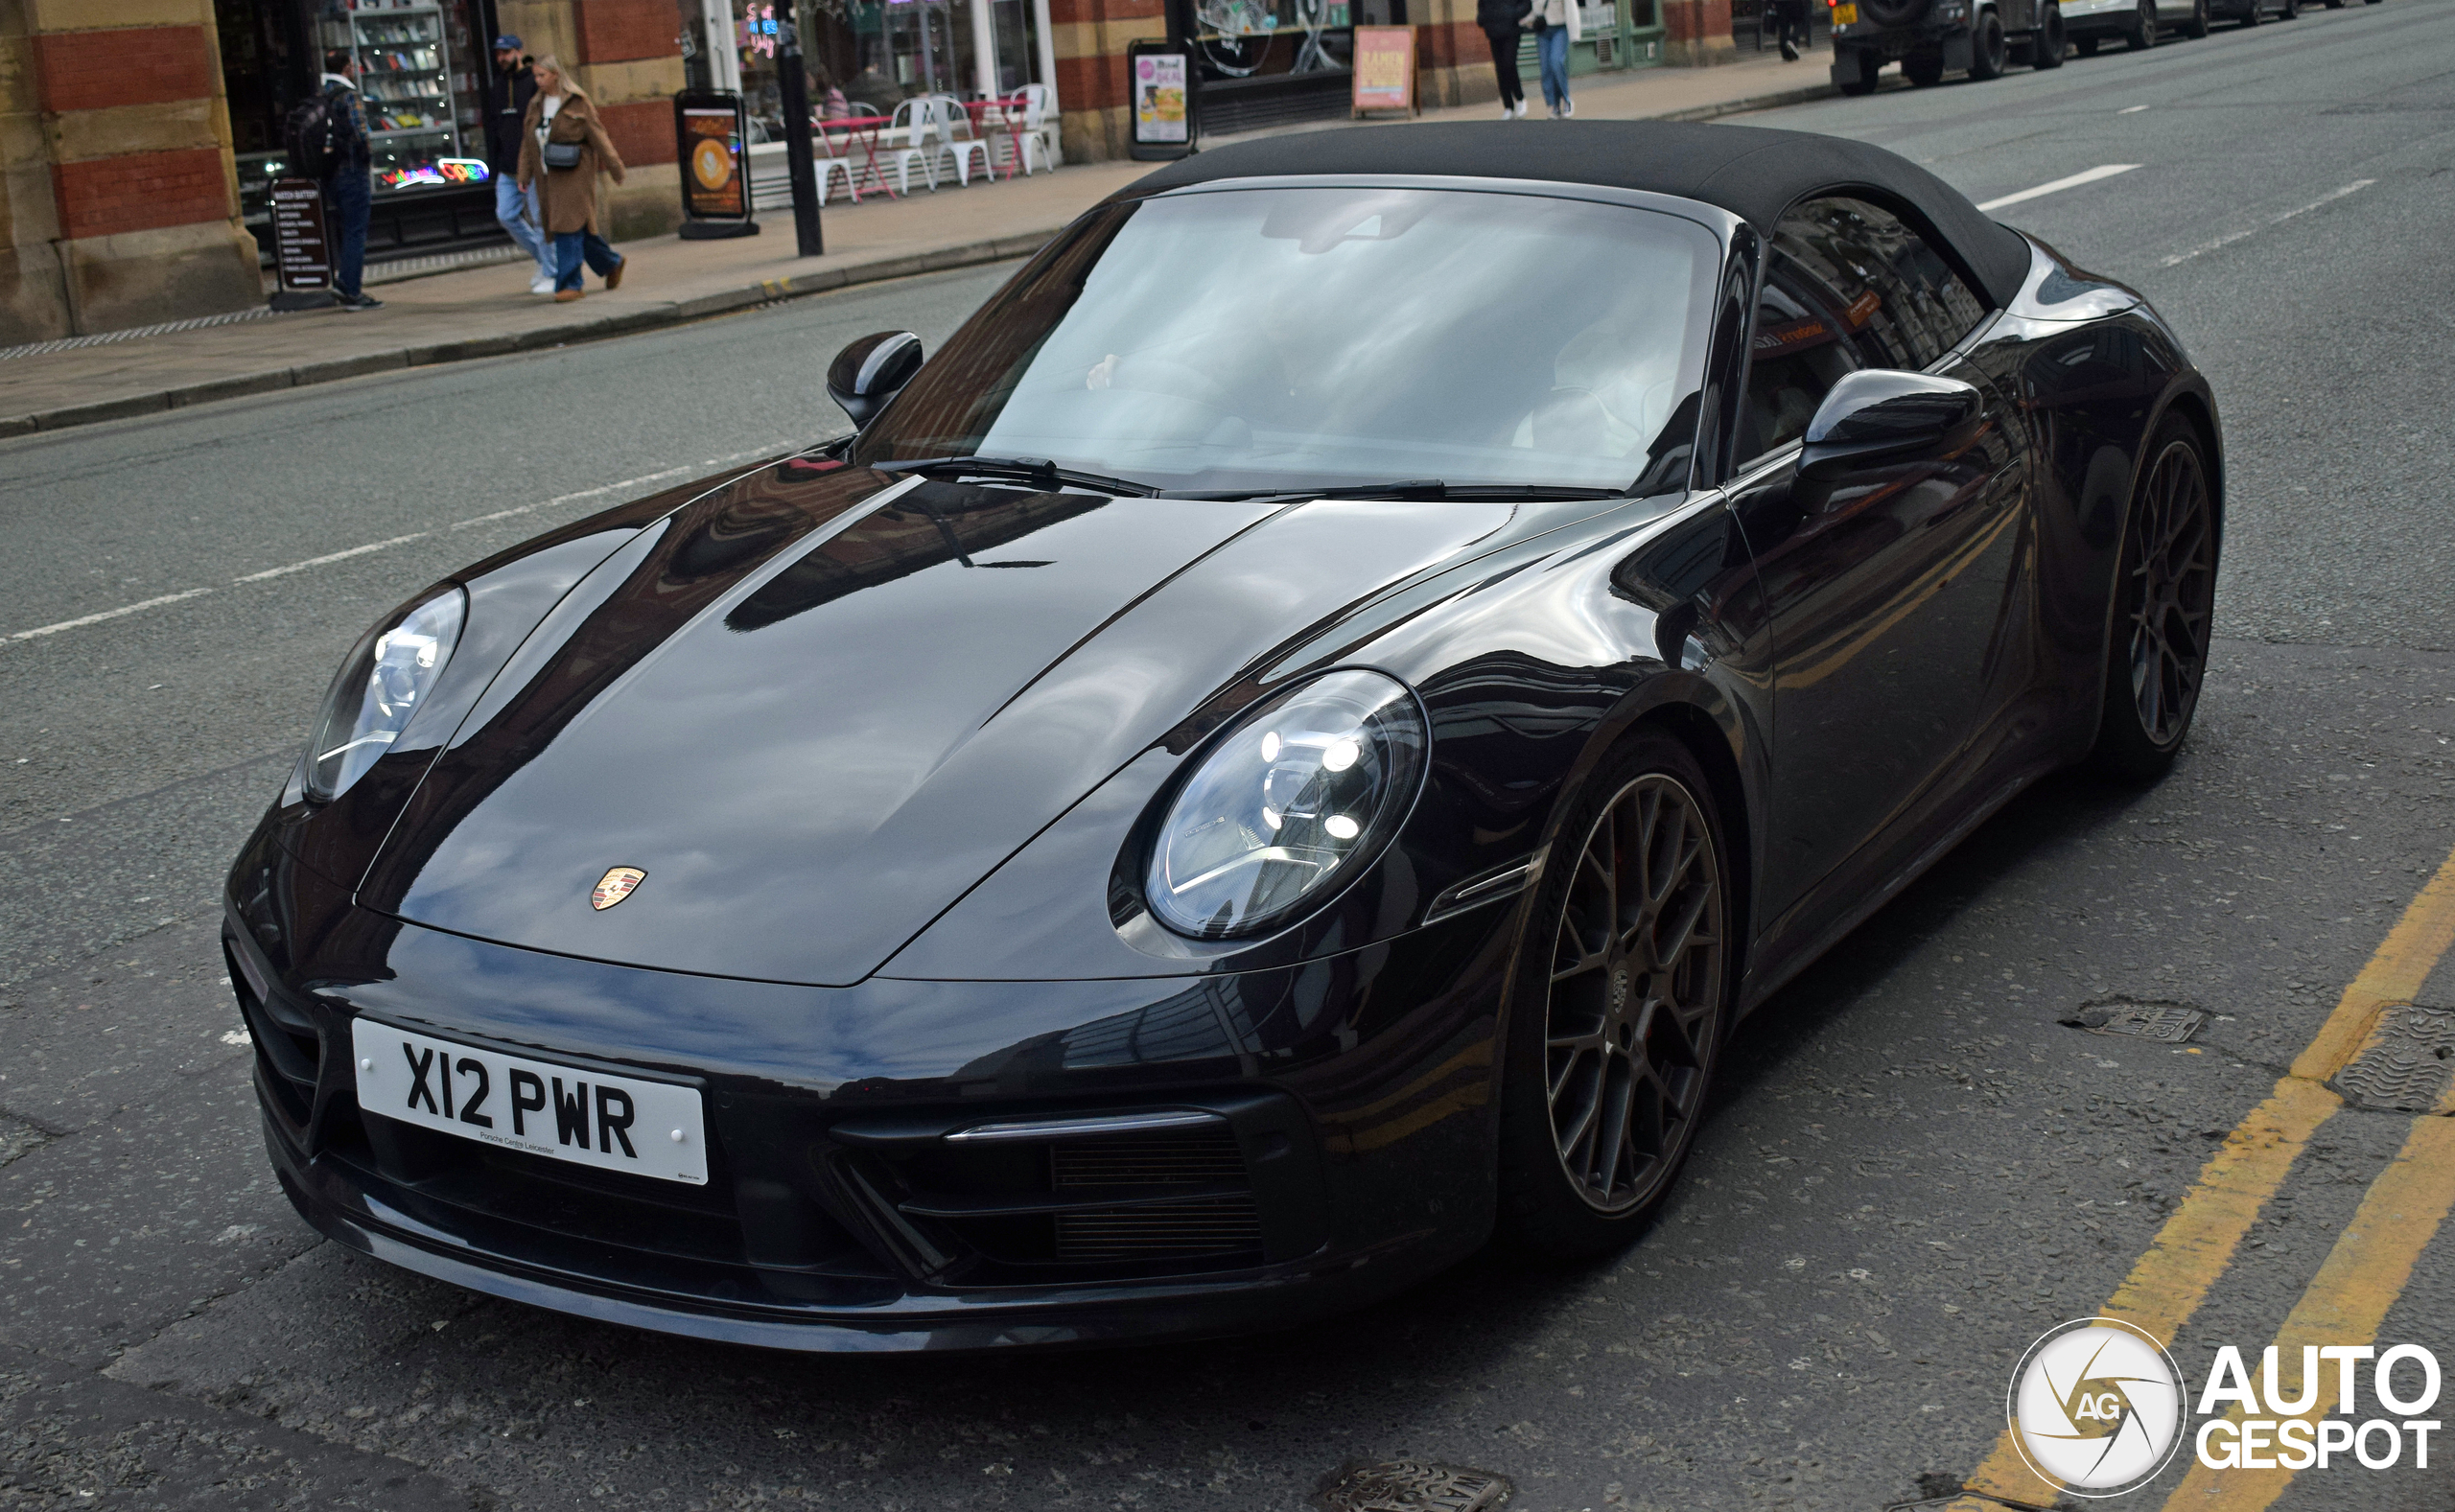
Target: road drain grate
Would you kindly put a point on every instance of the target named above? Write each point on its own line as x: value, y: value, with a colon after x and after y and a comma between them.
x: 2169, y: 1022
x: 2409, y: 1062
x: 1402, y: 1485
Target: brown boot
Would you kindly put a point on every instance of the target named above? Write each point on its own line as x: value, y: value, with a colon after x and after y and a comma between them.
x: 564, y: 297
x: 614, y: 279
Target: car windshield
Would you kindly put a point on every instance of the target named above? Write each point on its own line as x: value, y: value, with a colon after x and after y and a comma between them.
x: 1269, y: 339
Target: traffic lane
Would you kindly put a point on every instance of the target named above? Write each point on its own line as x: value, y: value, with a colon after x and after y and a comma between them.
x: 1913, y: 1166
x: 106, y: 515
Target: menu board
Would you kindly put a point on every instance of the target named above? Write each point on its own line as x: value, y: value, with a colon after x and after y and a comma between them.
x: 300, y: 252
x: 1385, y: 68
x: 1162, y: 79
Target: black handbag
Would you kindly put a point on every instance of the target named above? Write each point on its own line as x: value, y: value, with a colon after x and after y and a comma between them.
x: 562, y: 154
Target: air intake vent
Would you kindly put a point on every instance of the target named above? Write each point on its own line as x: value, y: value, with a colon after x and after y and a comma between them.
x: 1219, y: 1226
x: 1205, y: 1159
x: 1214, y: 1224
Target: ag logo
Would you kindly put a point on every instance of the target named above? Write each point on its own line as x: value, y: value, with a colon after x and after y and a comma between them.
x: 2097, y: 1405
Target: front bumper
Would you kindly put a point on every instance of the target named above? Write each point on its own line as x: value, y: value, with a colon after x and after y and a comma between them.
x: 1350, y: 1152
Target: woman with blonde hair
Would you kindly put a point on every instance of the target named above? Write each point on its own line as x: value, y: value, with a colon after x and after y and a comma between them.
x: 563, y: 144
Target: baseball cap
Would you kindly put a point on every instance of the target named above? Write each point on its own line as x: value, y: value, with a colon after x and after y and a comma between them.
x: 506, y: 43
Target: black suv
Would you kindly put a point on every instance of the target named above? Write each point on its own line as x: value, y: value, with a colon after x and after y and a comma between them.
x: 1932, y: 36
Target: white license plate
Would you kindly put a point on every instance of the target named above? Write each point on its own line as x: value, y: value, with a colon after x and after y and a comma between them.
x: 649, y: 1128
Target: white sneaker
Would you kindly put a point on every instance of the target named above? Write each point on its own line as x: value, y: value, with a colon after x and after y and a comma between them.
x: 1568, y: 107
x: 1508, y: 112
x: 541, y: 284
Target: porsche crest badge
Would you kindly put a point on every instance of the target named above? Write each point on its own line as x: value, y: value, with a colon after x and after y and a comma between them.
x: 615, y: 886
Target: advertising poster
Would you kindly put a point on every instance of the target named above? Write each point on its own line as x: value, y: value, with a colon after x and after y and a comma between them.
x: 713, y: 185
x: 299, y: 249
x: 1385, y: 68
x: 1159, y: 98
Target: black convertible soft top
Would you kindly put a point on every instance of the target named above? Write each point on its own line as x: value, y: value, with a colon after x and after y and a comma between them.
x: 1753, y: 173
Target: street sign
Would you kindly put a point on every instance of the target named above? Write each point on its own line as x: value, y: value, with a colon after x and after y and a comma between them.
x: 301, y: 254
x: 1161, y: 77
x: 1385, y: 68
x: 710, y: 127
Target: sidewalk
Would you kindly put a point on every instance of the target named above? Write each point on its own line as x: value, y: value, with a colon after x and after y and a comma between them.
x: 487, y: 311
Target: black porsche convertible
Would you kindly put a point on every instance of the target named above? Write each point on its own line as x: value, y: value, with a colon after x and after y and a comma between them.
x: 1288, y: 746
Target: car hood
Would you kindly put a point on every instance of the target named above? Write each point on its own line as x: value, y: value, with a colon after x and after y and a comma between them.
x: 813, y: 714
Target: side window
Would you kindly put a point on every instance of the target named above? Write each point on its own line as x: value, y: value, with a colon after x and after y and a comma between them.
x: 1847, y: 284
x: 1904, y: 305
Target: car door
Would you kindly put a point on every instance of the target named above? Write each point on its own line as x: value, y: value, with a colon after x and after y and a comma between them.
x: 1890, y: 592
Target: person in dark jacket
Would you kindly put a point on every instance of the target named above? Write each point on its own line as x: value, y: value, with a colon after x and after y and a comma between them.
x: 509, y: 92
x: 1789, y: 23
x: 1499, y: 19
x: 349, y: 193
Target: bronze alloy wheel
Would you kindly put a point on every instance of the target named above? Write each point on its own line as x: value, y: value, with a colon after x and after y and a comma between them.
x: 1636, y: 994
x: 2167, y: 597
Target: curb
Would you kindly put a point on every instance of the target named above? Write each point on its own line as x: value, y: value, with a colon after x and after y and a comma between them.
x: 724, y: 301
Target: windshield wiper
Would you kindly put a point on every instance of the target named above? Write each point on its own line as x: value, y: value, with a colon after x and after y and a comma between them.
x: 1412, y: 488
x: 1038, y: 472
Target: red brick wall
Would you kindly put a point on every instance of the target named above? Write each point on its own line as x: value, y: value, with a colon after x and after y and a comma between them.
x: 1097, y: 84
x: 1451, y: 45
x: 643, y: 132
x: 618, y: 31
x: 131, y: 66
x: 140, y: 191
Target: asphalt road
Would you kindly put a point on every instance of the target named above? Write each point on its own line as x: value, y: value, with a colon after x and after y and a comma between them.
x: 1913, y: 1166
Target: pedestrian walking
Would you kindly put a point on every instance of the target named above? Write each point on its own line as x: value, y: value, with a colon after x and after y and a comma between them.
x: 349, y: 193
x: 519, y: 211
x: 1789, y: 23
x: 1555, y: 26
x: 564, y: 147
x: 1501, y: 21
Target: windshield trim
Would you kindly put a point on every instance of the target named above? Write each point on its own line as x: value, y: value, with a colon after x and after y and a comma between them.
x: 1717, y: 222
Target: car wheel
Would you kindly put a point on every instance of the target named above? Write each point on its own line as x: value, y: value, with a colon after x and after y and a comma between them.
x: 2051, y: 43
x: 1619, y: 1003
x: 2251, y: 12
x: 1988, y: 51
x: 2084, y: 46
x: 1858, y: 77
x: 2197, y: 26
x: 2144, y: 27
x: 2290, y: 10
x: 2164, y: 596
x: 1926, y: 70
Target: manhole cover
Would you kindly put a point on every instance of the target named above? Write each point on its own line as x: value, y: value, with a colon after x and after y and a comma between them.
x: 2170, y: 1022
x: 2408, y: 1065
x: 1402, y: 1485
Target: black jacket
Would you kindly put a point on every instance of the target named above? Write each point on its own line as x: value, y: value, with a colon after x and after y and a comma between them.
x: 1500, y: 15
x: 507, y: 97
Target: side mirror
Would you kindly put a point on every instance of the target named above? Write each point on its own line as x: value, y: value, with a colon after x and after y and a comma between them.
x: 871, y: 371
x: 1877, y: 415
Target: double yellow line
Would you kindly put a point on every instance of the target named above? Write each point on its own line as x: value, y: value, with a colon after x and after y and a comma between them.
x: 2372, y: 1261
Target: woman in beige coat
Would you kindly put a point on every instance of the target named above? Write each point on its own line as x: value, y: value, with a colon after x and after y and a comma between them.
x: 562, y: 124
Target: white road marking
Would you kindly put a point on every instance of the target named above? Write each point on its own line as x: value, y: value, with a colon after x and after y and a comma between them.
x: 108, y: 614
x: 2329, y: 197
x: 330, y: 557
x: 712, y: 465
x: 2087, y: 176
x: 2131, y: 109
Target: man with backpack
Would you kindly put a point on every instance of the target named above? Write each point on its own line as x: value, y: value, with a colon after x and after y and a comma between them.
x: 509, y: 91
x: 329, y: 142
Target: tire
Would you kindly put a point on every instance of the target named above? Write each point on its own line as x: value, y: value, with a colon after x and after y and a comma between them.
x: 2051, y: 44
x: 2142, y: 35
x: 1863, y: 81
x: 1612, y: 1038
x: 1988, y: 50
x: 2084, y: 46
x: 2164, y: 592
x: 2290, y: 10
x: 2251, y: 12
x: 2197, y: 26
x: 1926, y: 70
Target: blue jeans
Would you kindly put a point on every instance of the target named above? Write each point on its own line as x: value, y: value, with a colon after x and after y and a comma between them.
x: 1552, y: 50
x: 570, y: 247
x: 522, y: 214
x: 348, y: 196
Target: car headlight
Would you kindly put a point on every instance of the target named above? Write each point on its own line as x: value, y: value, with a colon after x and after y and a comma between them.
x: 380, y: 687
x: 1297, y: 798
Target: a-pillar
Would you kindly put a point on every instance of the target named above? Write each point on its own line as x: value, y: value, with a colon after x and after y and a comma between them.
x: 1696, y: 33
x: 120, y: 203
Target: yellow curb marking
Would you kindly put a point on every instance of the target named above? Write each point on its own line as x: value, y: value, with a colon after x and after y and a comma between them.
x: 2347, y: 1302
x: 2169, y: 1283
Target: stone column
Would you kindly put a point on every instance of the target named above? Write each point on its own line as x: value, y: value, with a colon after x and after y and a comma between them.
x: 1696, y: 33
x: 1088, y: 38
x: 120, y: 204
x: 627, y: 55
